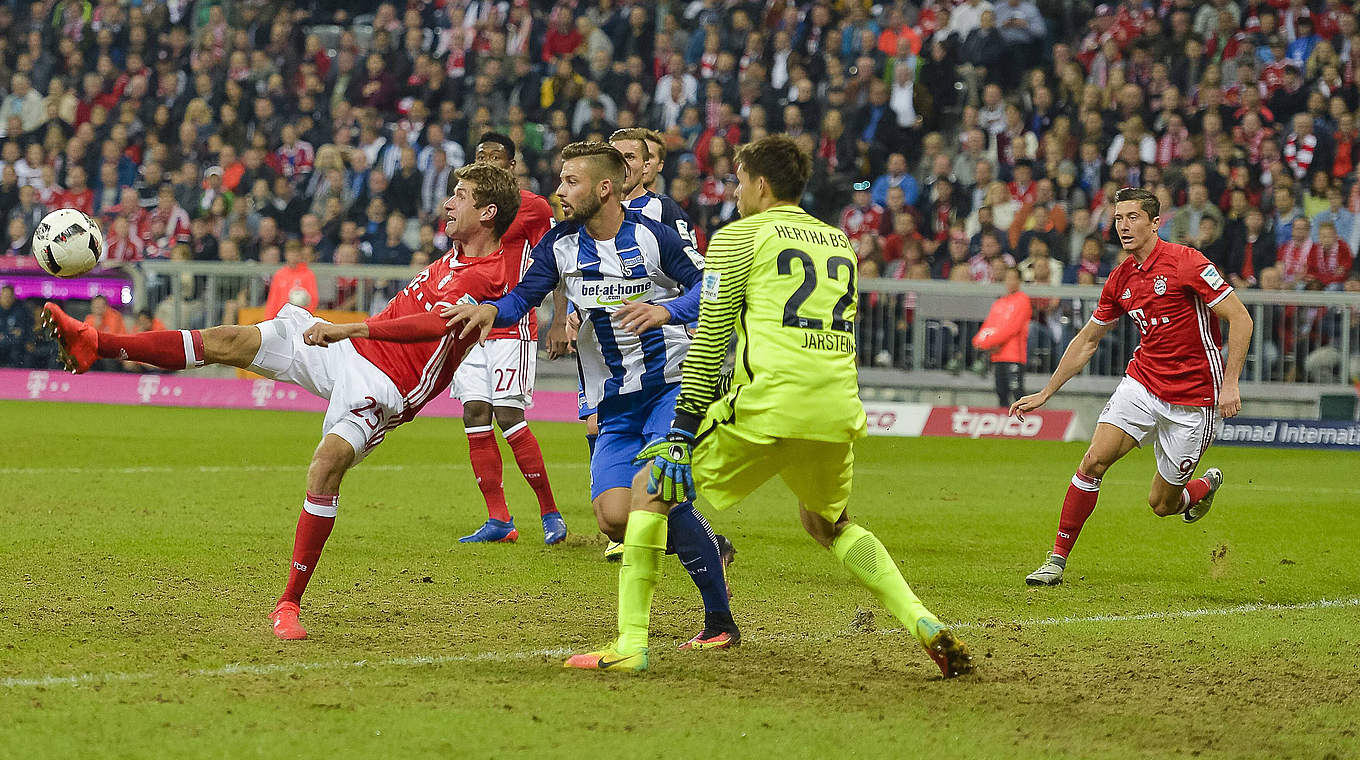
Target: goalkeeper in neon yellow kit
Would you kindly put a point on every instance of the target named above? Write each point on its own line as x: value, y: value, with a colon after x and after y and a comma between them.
x: 785, y: 282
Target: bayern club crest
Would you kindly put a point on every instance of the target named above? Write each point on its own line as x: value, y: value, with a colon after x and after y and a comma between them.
x: 1159, y: 285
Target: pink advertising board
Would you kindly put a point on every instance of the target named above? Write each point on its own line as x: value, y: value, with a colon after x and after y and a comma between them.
x: 188, y: 390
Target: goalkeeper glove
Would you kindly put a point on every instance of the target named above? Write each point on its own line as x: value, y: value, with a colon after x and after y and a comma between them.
x: 670, y: 477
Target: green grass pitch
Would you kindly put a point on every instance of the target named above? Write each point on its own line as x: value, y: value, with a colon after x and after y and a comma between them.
x: 140, y: 550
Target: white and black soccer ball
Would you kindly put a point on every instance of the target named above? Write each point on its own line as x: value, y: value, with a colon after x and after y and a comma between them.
x: 68, y: 243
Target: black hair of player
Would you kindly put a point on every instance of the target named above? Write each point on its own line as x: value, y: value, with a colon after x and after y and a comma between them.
x: 500, y: 139
x: 606, y: 159
x: 779, y: 160
x: 1145, y: 198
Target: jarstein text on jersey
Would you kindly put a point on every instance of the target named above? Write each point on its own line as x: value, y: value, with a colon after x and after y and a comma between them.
x: 829, y: 341
x: 807, y: 235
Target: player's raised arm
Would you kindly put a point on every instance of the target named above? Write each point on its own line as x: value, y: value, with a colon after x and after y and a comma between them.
x: 1078, y: 353
x: 722, y: 296
x: 416, y: 328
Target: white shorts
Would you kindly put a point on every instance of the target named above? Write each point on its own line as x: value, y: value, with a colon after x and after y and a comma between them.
x: 364, y: 402
x: 501, y: 373
x: 1183, y: 432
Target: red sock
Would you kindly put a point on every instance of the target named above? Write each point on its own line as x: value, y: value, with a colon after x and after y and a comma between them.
x: 313, y: 528
x: 1194, y: 491
x: 1077, y: 506
x: 530, y: 460
x: 166, y: 349
x: 486, y: 465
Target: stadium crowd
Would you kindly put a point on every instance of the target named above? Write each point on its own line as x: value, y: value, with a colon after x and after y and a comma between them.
x: 951, y: 139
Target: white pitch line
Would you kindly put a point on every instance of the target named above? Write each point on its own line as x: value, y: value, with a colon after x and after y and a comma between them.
x: 428, y: 660
x: 286, y: 667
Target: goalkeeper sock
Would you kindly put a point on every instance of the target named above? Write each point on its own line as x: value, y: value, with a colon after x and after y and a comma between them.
x: 692, y: 539
x: 865, y: 557
x: 1077, y: 506
x: 643, y: 542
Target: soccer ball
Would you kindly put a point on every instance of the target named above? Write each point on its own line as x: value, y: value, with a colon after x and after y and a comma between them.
x: 68, y: 243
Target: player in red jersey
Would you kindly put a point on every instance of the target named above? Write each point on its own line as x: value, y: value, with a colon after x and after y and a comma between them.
x: 497, y: 379
x: 1176, y: 384
x: 376, y: 374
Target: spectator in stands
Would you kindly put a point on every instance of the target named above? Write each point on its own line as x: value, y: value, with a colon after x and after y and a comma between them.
x: 1250, y: 252
x: 104, y: 317
x: 388, y: 248
x: 863, y: 216
x: 16, y: 329
x: 1186, y: 226
x: 1296, y: 255
x: 1330, y: 265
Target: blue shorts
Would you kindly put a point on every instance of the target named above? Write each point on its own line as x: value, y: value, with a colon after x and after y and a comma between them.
x: 583, y: 407
x: 627, y: 424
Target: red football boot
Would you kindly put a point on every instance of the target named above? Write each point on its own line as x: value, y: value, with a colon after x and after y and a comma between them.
x: 77, y: 342
x: 285, y: 620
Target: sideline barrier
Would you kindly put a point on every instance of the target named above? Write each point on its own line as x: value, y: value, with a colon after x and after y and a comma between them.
x: 218, y: 393
x: 1289, y: 434
x: 187, y: 390
x: 970, y: 422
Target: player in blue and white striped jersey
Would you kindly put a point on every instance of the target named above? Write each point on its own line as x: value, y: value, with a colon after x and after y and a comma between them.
x: 636, y: 284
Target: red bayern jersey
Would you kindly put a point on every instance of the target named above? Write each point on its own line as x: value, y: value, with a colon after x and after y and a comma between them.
x: 422, y: 370
x: 1170, y: 297
x: 531, y: 223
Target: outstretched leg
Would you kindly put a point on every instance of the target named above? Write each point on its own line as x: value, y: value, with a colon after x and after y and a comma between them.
x: 81, y: 345
x: 860, y: 552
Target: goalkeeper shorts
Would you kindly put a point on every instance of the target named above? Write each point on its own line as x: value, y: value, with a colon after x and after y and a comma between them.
x: 729, y: 463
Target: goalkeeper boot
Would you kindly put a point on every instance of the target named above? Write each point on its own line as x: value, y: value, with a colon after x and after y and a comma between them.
x: 1201, y: 508
x: 554, y: 528
x: 609, y: 659
x: 614, y: 551
x: 1049, y: 574
x: 947, y: 650
x: 285, y: 620
x: 493, y: 532
x: 77, y: 342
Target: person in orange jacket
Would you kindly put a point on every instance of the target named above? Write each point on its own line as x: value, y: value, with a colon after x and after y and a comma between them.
x: 295, y: 283
x: 1004, y: 336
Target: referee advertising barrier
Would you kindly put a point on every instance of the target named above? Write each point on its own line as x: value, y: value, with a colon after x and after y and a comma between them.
x: 887, y: 419
x: 969, y: 422
x: 219, y: 393
x: 1290, y: 434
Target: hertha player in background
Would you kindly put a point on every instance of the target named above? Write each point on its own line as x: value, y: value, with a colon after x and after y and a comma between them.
x: 784, y: 282
x: 377, y: 375
x: 1177, y: 385
x: 497, y: 379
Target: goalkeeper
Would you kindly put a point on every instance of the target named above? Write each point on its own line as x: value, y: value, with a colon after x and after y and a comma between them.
x: 785, y: 282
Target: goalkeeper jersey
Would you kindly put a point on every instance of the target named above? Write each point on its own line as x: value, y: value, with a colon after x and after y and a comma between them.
x: 785, y: 283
